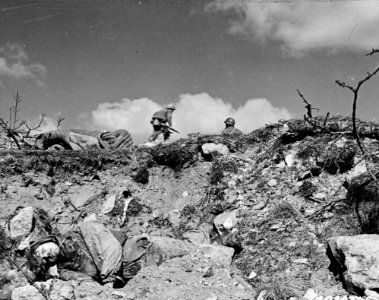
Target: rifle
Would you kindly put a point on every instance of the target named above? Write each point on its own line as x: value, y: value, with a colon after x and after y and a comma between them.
x: 171, y: 129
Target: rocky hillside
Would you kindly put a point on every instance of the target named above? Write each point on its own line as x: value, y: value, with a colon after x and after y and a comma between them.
x: 206, y: 217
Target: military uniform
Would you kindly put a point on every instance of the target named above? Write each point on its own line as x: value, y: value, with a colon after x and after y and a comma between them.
x: 231, y: 131
x: 159, y: 120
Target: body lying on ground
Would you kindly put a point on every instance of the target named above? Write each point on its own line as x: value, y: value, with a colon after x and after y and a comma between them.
x: 78, y: 139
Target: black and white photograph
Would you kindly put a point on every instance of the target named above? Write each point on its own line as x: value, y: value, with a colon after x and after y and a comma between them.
x: 189, y: 149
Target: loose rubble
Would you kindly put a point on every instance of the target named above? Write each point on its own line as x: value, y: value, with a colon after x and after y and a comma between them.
x: 280, y: 213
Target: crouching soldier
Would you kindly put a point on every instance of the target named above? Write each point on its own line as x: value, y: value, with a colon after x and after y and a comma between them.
x: 159, y: 120
x: 230, y: 129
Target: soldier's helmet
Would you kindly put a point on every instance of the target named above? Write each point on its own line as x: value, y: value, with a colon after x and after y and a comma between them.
x: 171, y: 106
x: 230, y: 121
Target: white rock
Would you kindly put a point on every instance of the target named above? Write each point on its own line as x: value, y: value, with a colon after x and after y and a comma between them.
x: 275, y: 227
x: 301, y: 261
x: 25, y: 243
x: 358, y: 256
x: 22, y: 223
x: 310, y: 295
x: 109, y: 204
x: 209, y: 148
x: 319, y: 196
x: 185, y: 194
x: 60, y: 290
x: 252, y: 275
x: 218, y: 254
x: 90, y: 218
x: 174, y: 217
x: 340, y: 143
x: 360, y: 168
x: 272, y: 182
x: 289, y: 160
x: 372, y: 295
x: 82, y: 195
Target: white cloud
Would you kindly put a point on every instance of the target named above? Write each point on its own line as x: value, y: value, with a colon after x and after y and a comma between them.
x: 194, y: 113
x: 14, y: 63
x: 306, y: 25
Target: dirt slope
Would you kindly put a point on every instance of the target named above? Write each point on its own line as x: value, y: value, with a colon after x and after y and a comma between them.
x: 277, y: 179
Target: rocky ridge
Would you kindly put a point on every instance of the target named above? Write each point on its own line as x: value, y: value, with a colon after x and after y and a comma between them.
x: 275, y: 196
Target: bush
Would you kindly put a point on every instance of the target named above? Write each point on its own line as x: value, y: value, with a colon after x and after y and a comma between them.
x: 219, y: 167
x: 142, y: 174
x: 338, y: 160
x: 173, y: 156
x: 283, y: 210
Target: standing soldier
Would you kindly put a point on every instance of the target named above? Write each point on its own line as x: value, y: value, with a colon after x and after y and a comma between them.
x: 159, y: 120
x: 230, y: 129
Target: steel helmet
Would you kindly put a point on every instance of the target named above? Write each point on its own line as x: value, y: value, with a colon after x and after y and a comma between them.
x: 230, y: 121
x: 171, y: 106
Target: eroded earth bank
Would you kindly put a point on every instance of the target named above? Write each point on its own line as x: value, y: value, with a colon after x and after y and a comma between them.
x: 288, y: 211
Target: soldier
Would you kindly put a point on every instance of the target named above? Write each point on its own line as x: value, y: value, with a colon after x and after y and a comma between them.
x: 230, y: 129
x: 159, y: 120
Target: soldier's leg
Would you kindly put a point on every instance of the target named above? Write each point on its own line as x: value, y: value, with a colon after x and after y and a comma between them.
x: 166, y: 134
x: 154, y: 136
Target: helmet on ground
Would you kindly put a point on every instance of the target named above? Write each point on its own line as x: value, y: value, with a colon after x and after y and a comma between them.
x: 171, y: 106
x: 230, y: 121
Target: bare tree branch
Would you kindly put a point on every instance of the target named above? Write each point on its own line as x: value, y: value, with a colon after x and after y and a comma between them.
x: 372, y: 52
x: 308, y: 105
x: 355, y: 91
x: 16, y: 129
x: 59, y: 121
x: 27, y: 134
x: 326, y: 119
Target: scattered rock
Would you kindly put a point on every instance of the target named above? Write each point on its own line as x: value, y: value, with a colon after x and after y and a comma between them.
x: 211, y: 148
x: 56, y: 289
x: 220, y: 255
x: 303, y: 261
x: 289, y: 159
x: 319, y: 196
x: 252, y: 275
x: 310, y: 295
x: 272, y: 183
x: 372, y: 295
x: 108, y: 204
x: 83, y: 195
x: 22, y: 223
x: 90, y: 218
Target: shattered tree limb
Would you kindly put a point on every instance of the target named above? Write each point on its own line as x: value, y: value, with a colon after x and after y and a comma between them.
x: 17, y: 129
x: 308, y: 105
x: 355, y: 91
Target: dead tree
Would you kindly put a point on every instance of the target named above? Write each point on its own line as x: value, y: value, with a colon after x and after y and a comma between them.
x: 355, y: 91
x: 59, y: 121
x: 18, y: 129
x: 308, y: 106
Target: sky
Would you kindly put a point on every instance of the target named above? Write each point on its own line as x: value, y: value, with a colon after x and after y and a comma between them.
x: 110, y: 64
